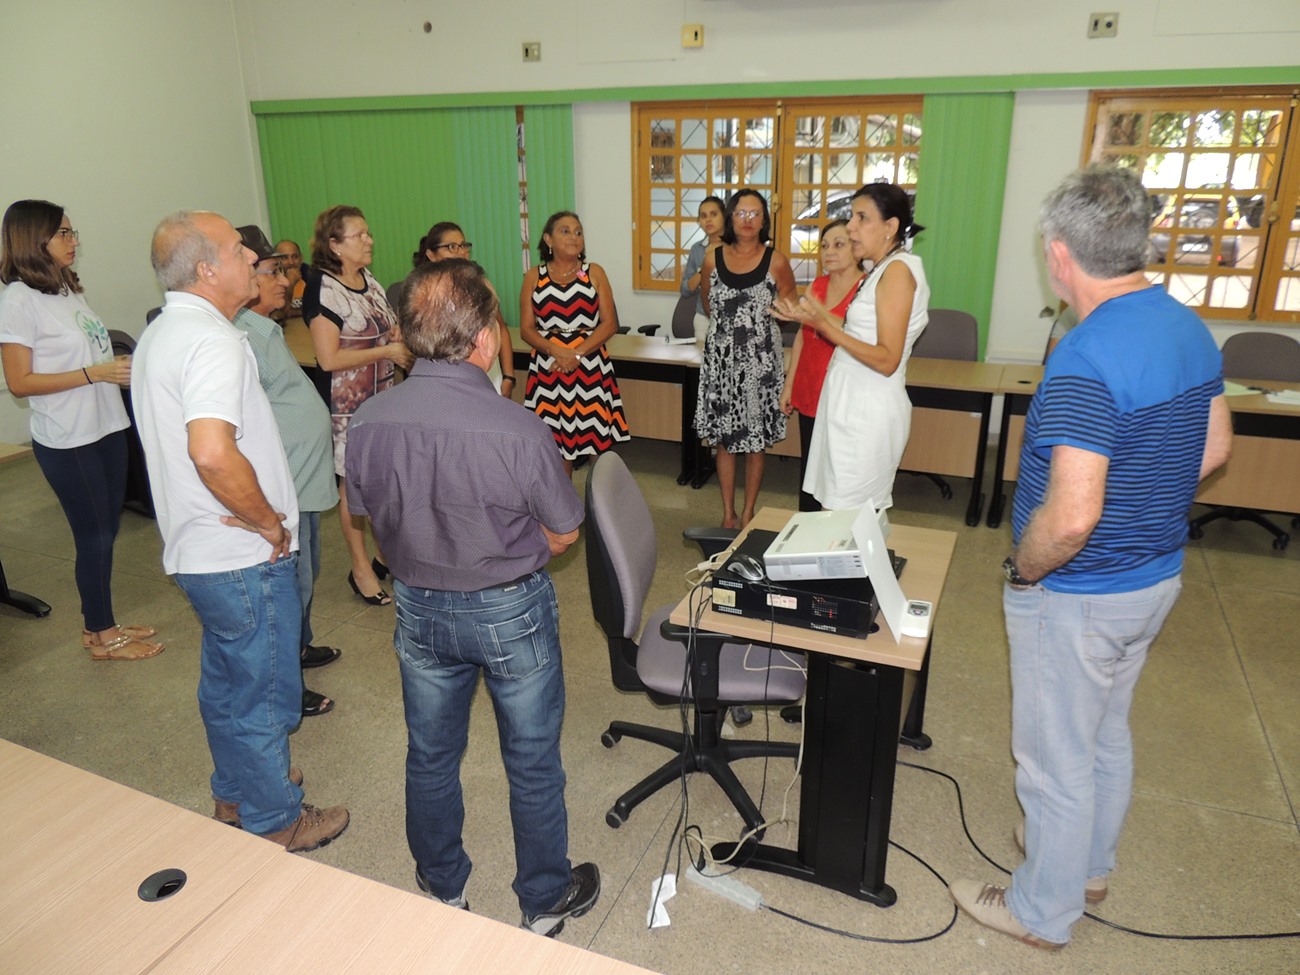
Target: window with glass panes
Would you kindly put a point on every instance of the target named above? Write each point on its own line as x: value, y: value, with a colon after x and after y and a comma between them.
x: 1222, y: 168
x: 806, y: 157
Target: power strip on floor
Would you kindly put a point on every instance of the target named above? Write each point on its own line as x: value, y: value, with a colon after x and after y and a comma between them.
x: 728, y: 887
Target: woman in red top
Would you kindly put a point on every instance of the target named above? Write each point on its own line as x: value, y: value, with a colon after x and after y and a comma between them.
x: 812, y: 353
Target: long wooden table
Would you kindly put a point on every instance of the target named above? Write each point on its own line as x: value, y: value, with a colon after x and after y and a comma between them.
x: 76, y: 847
x: 1263, y: 472
x: 12, y: 597
x: 857, y: 704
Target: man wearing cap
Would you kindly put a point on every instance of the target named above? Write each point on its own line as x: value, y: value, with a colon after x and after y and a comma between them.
x: 228, y: 513
x: 304, y: 423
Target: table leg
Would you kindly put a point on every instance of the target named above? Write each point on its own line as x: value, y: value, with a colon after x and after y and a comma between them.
x: 1010, y: 404
x: 974, y: 509
x: 847, y: 789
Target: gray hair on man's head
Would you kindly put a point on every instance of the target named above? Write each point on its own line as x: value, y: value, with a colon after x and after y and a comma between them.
x: 444, y: 307
x: 1103, y: 215
x: 178, y: 247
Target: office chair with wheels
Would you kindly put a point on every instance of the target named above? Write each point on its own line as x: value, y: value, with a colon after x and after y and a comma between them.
x: 641, y: 329
x: 621, y: 560
x: 1255, y: 355
x: 950, y: 334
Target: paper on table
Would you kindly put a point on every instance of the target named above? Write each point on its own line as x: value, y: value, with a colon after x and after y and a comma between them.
x: 1291, y: 397
x: 1237, y: 389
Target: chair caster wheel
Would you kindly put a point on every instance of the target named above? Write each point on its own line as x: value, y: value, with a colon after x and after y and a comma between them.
x: 1280, y: 543
x: 609, y: 740
x: 1195, y: 533
x: 613, y: 820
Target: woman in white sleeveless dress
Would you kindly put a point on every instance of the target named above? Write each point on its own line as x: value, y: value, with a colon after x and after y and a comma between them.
x: 864, y: 416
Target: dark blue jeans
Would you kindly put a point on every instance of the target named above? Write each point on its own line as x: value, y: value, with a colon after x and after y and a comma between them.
x: 511, y: 634
x: 90, y: 483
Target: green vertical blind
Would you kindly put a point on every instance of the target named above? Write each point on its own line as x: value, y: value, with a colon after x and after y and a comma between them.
x: 960, y: 189
x: 548, y: 137
x: 406, y: 169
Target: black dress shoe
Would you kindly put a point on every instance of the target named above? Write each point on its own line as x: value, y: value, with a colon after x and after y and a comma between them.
x: 381, y: 570
x: 318, y: 656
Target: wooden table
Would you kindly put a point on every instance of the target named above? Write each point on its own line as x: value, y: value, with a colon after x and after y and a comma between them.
x: 12, y: 597
x: 952, y: 402
x: 856, y: 707
x: 1263, y: 472
x: 1017, y: 386
x: 75, y: 848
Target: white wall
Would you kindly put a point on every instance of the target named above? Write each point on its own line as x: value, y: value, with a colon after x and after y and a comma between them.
x: 332, y: 48
x: 122, y: 113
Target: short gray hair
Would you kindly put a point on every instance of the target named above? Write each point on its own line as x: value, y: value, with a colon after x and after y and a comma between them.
x: 178, y: 247
x: 1103, y: 215
x: 444, y: 306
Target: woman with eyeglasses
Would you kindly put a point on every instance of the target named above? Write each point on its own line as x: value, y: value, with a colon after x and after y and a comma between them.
x: 445, y: 240
x: 739, y: 406
x: 355, y: 335
x: 812, y: 353
x: 566, y: 313
x: 57, y: 353
x: 864, y: 416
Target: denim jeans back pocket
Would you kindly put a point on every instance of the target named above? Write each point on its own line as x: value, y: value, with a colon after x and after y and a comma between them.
x: 519, y: 647
x: 413, y: 638
x: 221, y: 600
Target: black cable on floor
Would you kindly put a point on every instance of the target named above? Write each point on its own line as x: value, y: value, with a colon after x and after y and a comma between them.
x: 961, y: 810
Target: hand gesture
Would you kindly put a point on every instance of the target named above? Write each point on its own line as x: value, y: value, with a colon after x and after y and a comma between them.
x: 399, y: 354
x: 278, y: 537
x: 116, y: 370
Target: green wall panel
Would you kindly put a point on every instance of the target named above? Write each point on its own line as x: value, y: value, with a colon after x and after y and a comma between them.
x: 406, y: 170
x: 549, y: 153
x: 960, y: 189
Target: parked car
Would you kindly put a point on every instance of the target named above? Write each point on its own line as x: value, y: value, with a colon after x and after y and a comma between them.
x: 1201, y: 213
x: 805, y: 238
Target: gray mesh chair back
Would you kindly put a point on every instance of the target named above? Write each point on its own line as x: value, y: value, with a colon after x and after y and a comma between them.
x: 684, y: 317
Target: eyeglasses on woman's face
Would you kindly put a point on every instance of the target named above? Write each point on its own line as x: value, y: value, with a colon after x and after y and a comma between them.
x: 67, y: 233
x: 456, y: 247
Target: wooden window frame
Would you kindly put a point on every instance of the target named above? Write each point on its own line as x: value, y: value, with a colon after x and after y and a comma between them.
x: 665, y: 203
x: 1253, y: 239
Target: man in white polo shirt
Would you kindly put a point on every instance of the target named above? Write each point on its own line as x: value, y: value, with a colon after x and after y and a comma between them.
x: 228, y: 514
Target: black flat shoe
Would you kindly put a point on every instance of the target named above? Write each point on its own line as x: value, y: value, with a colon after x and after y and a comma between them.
x: 380, y: 598
x: 318, y: 656
x: 314, y: 704
x: 381, y: 570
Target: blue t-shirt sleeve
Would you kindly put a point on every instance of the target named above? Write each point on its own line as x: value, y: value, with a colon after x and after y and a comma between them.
x: 1075, y: 408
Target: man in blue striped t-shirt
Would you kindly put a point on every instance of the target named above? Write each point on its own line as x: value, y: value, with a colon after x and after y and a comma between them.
x: 1128, y: 419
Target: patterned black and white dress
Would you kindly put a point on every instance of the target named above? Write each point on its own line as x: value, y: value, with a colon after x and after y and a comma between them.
x: 583, y: 408
x: 739, y: 406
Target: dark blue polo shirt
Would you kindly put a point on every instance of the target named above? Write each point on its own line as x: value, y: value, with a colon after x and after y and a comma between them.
x: 457, y: 480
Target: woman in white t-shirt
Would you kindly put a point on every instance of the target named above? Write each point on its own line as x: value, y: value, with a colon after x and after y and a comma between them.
x: 57, y: 353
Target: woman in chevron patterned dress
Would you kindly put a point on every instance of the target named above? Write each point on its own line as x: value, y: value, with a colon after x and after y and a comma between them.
x: 566, y: 312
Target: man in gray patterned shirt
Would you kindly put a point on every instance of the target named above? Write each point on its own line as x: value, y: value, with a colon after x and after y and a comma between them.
x: 469, y: 501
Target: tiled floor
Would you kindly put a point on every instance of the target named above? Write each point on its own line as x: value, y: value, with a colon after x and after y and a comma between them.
x: 1212, y: 844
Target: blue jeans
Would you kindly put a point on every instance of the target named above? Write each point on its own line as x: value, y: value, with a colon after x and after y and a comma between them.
x: 90, y: 483
x: 1075, y: 661
x: 308, y: 566
x: 250, y: 685
x: 443, y: 640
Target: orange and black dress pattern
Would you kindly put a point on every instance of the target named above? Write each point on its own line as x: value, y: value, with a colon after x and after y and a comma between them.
x: 583, y: 408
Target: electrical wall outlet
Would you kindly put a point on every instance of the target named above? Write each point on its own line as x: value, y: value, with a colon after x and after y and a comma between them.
x: 1103, y: 25
x: 532, y: 50
x: 692, y: 35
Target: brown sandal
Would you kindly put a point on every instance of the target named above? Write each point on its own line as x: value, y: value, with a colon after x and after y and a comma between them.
x: 88, y: 639
x: 124, y: 648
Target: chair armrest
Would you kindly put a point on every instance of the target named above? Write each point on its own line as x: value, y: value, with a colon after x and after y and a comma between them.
x: 648, y: 329
x: 711, y: 540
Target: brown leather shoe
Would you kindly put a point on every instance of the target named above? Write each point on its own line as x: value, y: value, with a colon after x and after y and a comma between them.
x: 313, y: 828
x: 228, y: 812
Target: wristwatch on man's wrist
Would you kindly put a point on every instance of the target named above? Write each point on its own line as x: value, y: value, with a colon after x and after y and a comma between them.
x: 1013, y: 576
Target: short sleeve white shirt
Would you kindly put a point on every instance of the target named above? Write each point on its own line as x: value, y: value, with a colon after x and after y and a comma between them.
x: 64, y: 336
x: 192, y: 364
